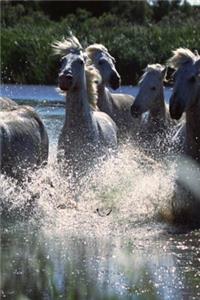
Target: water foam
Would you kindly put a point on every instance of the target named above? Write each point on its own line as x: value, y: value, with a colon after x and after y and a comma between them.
x: 118, y: 196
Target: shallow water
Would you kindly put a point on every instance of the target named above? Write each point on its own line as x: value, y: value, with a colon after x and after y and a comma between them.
x: 108, y: 245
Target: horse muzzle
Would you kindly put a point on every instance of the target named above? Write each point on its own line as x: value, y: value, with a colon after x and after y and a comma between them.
x: 175, y: 108
x: 115, y: 81
x: 65, y: 82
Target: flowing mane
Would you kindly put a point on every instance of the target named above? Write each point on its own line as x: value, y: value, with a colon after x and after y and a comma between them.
x: 93, y: 78
x: 151, y: 68
x: 93, y: 49
x: 182, y: 56
x: 67, y: 45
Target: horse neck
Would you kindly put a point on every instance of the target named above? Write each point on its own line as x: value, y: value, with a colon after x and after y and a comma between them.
x: 193, y: 130
x: 104, y: 102
x: 158, y: 111
x: 77, y: 109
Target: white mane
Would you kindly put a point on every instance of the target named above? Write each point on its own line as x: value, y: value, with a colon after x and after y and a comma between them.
x: 182, y: 56
x: 95, y: 48
x: 93, y: 79
x: 67, y: 45
x: 156, y: 68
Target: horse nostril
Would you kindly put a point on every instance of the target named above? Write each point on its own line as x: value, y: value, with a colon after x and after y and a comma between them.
x: 65, y: 76
x: 115, y: 81
x: 65, y: 81
x: 69, y: 77
x: 67, y: 72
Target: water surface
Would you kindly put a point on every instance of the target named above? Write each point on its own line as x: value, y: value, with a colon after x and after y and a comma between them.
x: 66, y: 250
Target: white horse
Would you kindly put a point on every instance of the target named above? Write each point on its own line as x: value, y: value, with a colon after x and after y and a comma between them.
x: 117, y: 106
x: 186, y: 98
x: 155, y: 126
x: 86, y: 133
x: 23, y: 139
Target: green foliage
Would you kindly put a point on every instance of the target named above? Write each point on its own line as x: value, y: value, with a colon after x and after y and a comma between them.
x: 26, y: 55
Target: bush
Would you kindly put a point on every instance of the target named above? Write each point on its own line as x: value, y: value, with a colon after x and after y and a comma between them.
x: 26, y: 55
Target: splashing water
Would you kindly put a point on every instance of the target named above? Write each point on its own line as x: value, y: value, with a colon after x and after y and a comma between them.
x: 107, y: 243
x: 129, y: 185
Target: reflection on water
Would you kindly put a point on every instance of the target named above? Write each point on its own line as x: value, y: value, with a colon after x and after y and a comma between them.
x: 68, y: 250
x: 40, y: 265
x: 53, y: 118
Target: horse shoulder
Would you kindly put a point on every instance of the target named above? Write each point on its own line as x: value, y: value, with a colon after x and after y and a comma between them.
x: 106, y: 127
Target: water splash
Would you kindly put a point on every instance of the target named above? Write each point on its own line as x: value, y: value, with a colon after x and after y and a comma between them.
x: 124, y: 253
x: 119, y: 195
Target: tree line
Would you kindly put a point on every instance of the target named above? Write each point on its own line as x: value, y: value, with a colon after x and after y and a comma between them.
x: 135, y: 32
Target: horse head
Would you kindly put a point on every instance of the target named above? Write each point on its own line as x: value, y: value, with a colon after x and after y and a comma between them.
x: 151, y: 85
x: 186, y: 81
x: 99, y: 56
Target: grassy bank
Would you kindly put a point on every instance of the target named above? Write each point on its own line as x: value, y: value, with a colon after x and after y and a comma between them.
x: 26, y: 55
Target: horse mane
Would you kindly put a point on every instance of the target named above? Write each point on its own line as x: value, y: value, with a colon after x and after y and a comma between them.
x: 95, y: 48
x: 182, y: 56
x: 93, y: 78
x: 152, y: 68
x: 67, y: 45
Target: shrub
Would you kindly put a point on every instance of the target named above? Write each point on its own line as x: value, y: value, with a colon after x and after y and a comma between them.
x: 26, y: 55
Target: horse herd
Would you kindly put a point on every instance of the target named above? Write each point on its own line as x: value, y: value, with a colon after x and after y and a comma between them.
x: 96, y: 120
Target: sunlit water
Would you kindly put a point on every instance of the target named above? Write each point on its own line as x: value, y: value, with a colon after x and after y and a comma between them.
x: 108, y: 244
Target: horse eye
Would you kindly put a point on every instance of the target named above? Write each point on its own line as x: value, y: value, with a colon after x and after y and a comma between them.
x: 81, y: 62
x: 153, y: 88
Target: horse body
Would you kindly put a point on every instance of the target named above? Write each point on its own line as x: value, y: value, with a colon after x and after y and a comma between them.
x: 154, y: 130
x: 86, y: 133
x: 186, y: 98
x: 117, y: 106
x: 192, y: 138
x: 23, y: 139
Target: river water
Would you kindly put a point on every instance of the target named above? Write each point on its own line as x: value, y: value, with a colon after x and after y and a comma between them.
x: 67, y: 250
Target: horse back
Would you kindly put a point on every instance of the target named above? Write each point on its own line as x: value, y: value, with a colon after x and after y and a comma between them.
x: 24, y: 141
x: 6, y: 103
